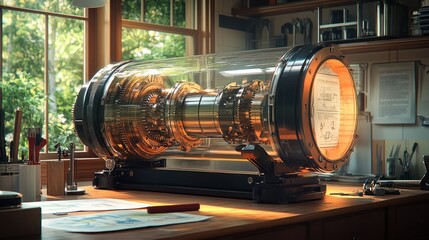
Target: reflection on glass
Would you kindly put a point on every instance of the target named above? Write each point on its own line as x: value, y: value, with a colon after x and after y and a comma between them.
x: 140, y: 44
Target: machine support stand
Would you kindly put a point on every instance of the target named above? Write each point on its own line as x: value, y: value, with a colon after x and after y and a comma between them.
x: 280, y: 183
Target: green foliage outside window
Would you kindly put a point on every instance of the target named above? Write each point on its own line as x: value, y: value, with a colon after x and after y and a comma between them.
x: 140, y: 44
x: 24, y: 82
x: 148, y: 45
x: 27, y: 84
x: 155, y: 11
x: 19, y: 90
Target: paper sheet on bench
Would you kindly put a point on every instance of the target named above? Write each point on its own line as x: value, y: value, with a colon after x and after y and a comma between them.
x: 118, y: 220
x: 93, y: 204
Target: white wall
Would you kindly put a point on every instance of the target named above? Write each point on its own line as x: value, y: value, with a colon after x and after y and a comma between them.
x: 228, y: 40
x: 406, y: 134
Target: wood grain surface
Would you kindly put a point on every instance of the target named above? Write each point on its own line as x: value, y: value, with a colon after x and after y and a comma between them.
x: 232, y: 217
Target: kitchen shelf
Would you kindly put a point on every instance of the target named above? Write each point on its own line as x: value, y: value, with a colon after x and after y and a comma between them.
x: 336, y: 25
x: 359, y: 45
x: 374, y: 45
x: 291, y: 7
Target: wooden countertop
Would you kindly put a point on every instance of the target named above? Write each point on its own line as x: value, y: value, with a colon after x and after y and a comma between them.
x: 234, y: 216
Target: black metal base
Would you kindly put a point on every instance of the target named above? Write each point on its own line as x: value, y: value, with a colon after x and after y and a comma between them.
x: 210, y: 183
x: 77, y: 191
x: 289, y: 191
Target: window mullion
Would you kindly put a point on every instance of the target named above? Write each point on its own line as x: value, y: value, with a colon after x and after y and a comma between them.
x: 172, y: 13
x: 46, y: 73
x: 142, y: 10
x: 1, y: 51
x: 47, y: 34
x: 160, y: 28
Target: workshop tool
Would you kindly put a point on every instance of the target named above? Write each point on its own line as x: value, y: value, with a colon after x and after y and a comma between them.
x: 266, y: 33
x: 391, y: 161
x: 40, y: 143
x: 61, y: 152
x: 72, y: 188
x: 391, y: 167
x: 413, y: 150
x: 391, y: 151
x: 308, y: 26
x: 285, y: 30
x: 31, y: 137
x: 358, y: 193
x: 263, y: 32
x: 396, y: 154
x: 375, y: 188
x: 424, y: 182
x: 297, y: 27
x: 173, y: 208
x: 378, y: 156
x: 35, y: 144
x: 409, y: 159
x: 406, y: 162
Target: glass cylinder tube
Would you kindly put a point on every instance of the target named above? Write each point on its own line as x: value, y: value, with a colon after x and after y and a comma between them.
x: 299, y: 103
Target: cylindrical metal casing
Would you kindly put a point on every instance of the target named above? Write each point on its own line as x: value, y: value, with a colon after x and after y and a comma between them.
x: 200, y: 113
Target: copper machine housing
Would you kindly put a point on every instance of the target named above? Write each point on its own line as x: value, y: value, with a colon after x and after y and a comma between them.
x: 289, y: 112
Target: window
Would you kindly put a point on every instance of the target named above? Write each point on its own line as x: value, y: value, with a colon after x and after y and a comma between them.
x: 43, y: 68
x: 153, y: 29
x: 48, y: 53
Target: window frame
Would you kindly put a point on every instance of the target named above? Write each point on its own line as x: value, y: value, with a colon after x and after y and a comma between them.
x: 202, y: 32
x: 165, y: 29
x: 98, y: 52
x: 88, y: 65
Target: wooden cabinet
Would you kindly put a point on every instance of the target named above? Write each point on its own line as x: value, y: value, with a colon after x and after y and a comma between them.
x: 410, y: 221
x: 295, y: 232
x: 358, y: 46
x: 367, y: 225
x: 405, y: 221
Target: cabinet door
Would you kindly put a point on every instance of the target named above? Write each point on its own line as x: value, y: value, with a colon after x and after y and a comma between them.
x: 366, y: 225
x: 412, y: 222
x: 293, y: 232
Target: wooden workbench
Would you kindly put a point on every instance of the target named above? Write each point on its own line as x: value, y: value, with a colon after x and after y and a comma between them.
x: 403, y: 216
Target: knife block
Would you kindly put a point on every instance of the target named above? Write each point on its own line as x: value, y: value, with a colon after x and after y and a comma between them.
x: 55, y: 185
